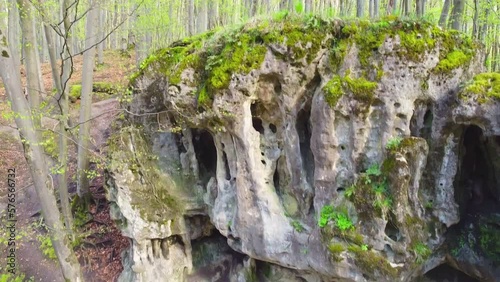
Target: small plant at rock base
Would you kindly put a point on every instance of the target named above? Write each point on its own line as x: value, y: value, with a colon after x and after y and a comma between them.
x: 297, y: 226
x: 325, y: 215
x: 343, y: 222
x: 421, y: 251
x: 336, y: 249
x: 46, y: 247
x: 340, y: 218
x: 349, y: 192
x: 364, y: 247
x: 393, y: 143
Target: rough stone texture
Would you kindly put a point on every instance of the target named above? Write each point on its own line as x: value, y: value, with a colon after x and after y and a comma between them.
x: 270, y: 152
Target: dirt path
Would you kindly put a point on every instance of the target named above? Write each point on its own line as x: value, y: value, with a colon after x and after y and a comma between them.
x: 100, y: 259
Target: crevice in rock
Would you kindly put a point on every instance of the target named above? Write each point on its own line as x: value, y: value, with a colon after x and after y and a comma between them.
x: 226, y: 166
x: 445, y: 272
x: 206, y: 154
x: 473, y: 241
x: 392, y: 230
x: 212, y: 257
x: 257, y: 125
x: 474, y: 176
x: 276, y: 179
x: 421, y: 121
x: 304, y: 132
x: 273, y: 128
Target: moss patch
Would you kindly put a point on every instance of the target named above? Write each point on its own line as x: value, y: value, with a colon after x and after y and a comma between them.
x: 484, y: 86
x: 372, y: 263
x: 75, y: 92
x: 158, y: 197
x: 362, y: 89
x: 216, y: 56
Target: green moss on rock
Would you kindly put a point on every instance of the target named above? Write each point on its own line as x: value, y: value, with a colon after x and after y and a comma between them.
x: 362, y: 89
x: 372, y: 263
x: 157, y: 196
x: 75, y: 92
x: 333, y: 90
x: 452, y: 61
x: 484, y: 86
x: 216, y: 56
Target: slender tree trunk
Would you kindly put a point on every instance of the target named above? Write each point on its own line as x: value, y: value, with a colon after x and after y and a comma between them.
x: 14, y: 33
x: 370, y: 8
x: 52, y: 57
x: 444, y: 13
x: 63, y: 134
x: 376, y: 8
x: 35, y: 157
x: 203, y: 17
x: 360, y: 7
x: 475, y: 21
x: 420, y: 8
x: 100, y: 46
x: 190, y: 18
x: 309, y: 6
x: 34, y: 85
x: 457, y: 14
x: 484, y: 29
x: 213, y: 14
x: 406, y: 7
x: 85, y: 104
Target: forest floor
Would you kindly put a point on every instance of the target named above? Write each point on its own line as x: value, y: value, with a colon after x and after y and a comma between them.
x: 99, y: 242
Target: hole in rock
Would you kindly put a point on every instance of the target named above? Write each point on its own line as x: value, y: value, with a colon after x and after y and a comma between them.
x: 397, y: 105
x: 444, y: 272
x: 263, y: 162
x: 180, y: 145
x: 212, y: 257
x: 257, y: 125
x: 421, y: 120
x: 226, y: 166
x: 342, y: 147
x: 476, y: 192
x: 303, y: 127
x: 206, y: 154
x: 273, y: 128
x: 392, y: 231
x: 276, y: 178
x: 475, y: 174
x: 340, y: 189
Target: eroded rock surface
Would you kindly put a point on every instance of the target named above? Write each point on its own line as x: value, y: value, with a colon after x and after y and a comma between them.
x: 319, y: 151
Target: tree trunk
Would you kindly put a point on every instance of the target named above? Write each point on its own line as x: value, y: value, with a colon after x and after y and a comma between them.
x: 444, y: 13
x: 376, y: 8
x: 203, y: 17
x: 475, y: 21
x: 370, y: 8
x: 34, y: 84
x: 85, y: 104
x: 100, y: 46
x: 420, y: 8
x: 360, y: 7
x: 406, y: 7
x: 457, y: 14
x: 190, y: 18
x: 35, y: 157
x: 14, y: 33
x: 309, y: 6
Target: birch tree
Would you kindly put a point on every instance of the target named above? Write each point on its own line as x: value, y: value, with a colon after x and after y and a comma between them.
x: 86, y: 103
x: 35, y: 158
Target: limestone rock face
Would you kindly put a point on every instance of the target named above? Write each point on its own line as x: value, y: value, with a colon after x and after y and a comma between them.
x: 341, y: 153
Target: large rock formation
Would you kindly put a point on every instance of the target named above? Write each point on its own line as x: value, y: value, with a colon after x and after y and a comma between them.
x: 310, y: 150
